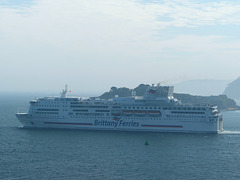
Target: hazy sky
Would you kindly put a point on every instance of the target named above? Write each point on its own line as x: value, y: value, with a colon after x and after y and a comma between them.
x: 92, y: 45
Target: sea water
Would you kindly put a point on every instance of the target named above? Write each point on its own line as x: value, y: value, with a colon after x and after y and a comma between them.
x: 77, y: 154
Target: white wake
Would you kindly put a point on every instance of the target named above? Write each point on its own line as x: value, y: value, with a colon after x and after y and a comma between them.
x: 230, y: 132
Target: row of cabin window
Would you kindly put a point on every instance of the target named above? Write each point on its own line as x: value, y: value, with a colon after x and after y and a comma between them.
x: 76, y: 102
x: 183, y: 108
x: 47, y: 105
x: 81, y: 106
x: 187, y: 119
x: 49, y: 102
x: 46, y: 112
x: 187, y: 116
x: 76, y: 106
x: 90, y: 114
x: 187, y: 112
x: 142, y: 115
x: 142, y: 107
x: 80, y: 110
x: 111, y: 118
x: 48, y: 109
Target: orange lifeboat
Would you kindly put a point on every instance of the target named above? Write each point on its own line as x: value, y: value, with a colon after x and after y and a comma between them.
x: 127, y: 112
x: 154, y: 113
x: 141, y: 113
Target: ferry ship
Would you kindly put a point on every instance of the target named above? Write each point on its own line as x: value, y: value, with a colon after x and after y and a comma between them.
x: 156, y: 111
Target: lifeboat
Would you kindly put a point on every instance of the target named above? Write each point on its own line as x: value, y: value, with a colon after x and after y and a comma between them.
x: 127, y: 112
x: 141, y: 113
x: 116, y: 114
x: 154, y: 113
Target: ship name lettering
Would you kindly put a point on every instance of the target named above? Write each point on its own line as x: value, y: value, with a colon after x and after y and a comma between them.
x: 116, y: 123
x: 105, y: 123
x: 129, y: 124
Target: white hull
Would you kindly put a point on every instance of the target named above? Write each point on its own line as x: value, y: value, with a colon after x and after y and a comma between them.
x: 122, y: 125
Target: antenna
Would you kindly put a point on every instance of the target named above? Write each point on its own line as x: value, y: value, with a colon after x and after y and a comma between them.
x: 64, y: 92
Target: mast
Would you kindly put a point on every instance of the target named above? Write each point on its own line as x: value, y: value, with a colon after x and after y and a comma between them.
x: 64, y: 92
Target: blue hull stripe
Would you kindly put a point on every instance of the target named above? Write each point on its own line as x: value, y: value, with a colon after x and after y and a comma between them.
x: 62, y: 123
x: 164, y: 126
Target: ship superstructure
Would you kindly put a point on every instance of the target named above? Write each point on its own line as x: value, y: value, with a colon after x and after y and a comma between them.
x: 156, y: 111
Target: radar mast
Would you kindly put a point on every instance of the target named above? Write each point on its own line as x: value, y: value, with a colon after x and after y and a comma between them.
x: 64, y: 92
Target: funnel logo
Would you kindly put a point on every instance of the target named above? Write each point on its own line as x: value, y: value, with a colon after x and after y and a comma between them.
x: 152, y: 91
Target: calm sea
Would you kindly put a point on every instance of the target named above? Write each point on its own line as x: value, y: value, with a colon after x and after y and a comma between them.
x: 73, y: 154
